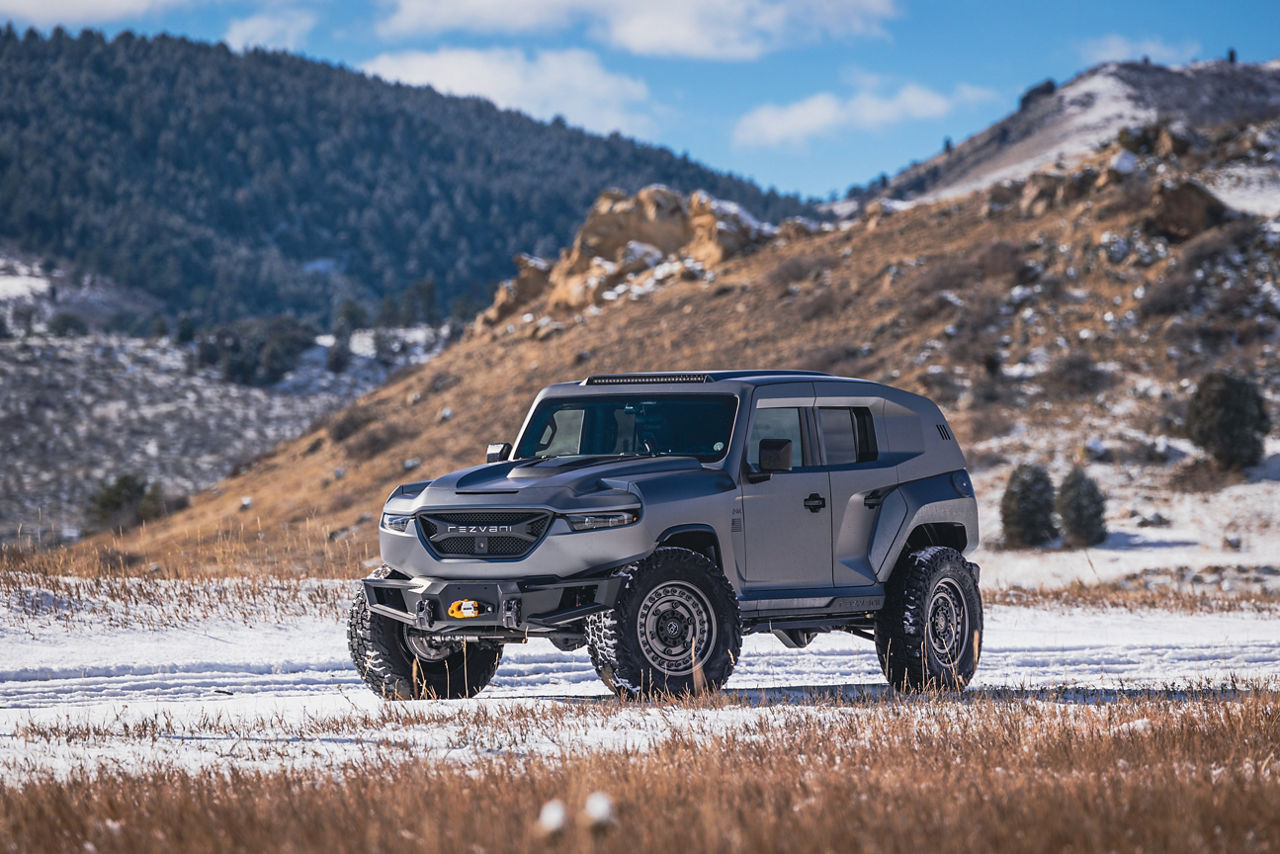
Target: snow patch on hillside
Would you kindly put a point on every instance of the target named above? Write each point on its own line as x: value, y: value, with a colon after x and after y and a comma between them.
x: 1252, y: 189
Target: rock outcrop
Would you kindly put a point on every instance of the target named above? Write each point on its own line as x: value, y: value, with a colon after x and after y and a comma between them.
x: 1183, y: 209
x: 626, y: 236
x: 530, y: 283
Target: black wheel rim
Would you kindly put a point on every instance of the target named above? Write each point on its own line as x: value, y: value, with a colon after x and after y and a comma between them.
x: 947, y: 627
x: 677, y: 628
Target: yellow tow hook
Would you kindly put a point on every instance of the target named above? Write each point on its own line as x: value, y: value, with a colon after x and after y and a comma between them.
x: 464, y: 608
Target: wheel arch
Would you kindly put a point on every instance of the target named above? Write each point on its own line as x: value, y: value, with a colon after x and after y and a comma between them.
x: 697, y: 538
x: 934, y: 512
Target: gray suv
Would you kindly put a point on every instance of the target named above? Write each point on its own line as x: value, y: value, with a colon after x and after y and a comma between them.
x: 656, y: 518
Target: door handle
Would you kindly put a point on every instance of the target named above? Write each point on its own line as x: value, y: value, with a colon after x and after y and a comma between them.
x: 873, y: 499
x: 814, y: 502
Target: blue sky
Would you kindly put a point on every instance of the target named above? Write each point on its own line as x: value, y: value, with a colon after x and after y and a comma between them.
x: 806, y: 96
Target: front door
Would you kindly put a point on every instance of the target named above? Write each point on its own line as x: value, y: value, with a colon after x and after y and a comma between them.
x: 787, y: 518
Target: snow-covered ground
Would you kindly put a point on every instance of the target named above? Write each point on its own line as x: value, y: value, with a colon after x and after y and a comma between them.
x: 222, y: 694
x: 1152, y: 528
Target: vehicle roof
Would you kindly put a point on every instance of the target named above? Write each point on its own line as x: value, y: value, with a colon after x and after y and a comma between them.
x: 748, y: 377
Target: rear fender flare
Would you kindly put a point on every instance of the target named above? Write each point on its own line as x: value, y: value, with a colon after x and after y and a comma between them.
x: 931, y: 500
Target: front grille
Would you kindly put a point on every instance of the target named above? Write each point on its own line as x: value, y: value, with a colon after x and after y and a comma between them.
x: 528, y: 527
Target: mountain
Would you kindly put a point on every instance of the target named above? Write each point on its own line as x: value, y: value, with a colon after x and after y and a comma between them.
x: 230, y: 185
x: 1063, y: 319
x: 1067, y: 121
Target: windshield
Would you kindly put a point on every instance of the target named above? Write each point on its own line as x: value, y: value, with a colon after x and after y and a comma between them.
x: 616, y: 424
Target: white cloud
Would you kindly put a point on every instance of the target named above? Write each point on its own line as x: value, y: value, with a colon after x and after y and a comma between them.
x: 1112, y: 48
x: 72, y: 13
x: 571, y: 83
x: 705, y: 29
x: 286, y: 29
x: 770, y: 125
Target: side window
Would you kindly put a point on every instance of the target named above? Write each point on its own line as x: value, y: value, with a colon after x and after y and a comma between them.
x: 782, y: 423
x: 837, y: 435
x: 867, y: 450
x: 848, y: 434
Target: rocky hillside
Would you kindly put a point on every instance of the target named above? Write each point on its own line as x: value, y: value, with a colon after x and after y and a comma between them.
x: 1061, y: 123
x: 77, y: 412
x: 1060, y: 318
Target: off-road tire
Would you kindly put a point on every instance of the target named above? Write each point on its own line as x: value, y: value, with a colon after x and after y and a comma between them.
x: 387, y: 666
x: 931, y: 584
x: 691, y: 588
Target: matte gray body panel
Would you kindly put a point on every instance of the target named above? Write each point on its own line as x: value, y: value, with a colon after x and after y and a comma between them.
x: 857, y: 545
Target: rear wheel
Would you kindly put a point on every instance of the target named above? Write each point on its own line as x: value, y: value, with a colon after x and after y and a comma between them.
x: 929, y: 633
x: 673, y: 630
x: 399, y: 662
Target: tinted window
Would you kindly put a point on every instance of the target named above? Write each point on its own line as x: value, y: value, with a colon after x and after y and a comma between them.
x: 838, y: 437
x: 620, y: 424
x: 867, y: 449
x: 784, y: 423
x: 848, y: 435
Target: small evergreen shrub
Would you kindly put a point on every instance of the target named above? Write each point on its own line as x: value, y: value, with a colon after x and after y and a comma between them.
x: 1228, y: 418
x: 339, y: 355
x: 1082, y: 508
x: 349, y: 422
x: 128, y: 501
x: 1075, y: 376
x: 1026, y: 510
x: 64, y: 324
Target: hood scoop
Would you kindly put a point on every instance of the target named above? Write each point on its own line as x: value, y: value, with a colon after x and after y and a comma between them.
x: 556, y: 465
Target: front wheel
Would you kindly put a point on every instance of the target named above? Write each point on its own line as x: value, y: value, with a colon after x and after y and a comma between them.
x: 674, y: 629
x: 400, y: 663
x: 929, y: 633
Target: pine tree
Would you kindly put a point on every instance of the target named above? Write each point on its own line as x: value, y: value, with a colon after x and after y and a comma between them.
x: 1026, y: 510
x: 1082, y: 508
x: 1228, y: 417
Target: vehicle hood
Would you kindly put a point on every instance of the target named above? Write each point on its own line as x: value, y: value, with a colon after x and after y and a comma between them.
x: 565, y: 483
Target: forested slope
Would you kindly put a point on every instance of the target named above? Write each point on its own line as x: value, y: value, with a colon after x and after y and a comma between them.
x: 232, y: 185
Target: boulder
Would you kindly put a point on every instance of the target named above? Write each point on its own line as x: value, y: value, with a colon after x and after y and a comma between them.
x: 1173, y: 140
x: 622, y: 235
x: 1005, y: 193
x: 722, y: 229
x: 1075, y: 187
x: 1039, y: 192
x: 797, y: 227
x: 530, y: 283
x: 1183, y: 209
x: 656, y: 215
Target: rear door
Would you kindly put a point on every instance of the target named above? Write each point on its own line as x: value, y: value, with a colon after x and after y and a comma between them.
x: 787, y: 518
x: 861, y: 475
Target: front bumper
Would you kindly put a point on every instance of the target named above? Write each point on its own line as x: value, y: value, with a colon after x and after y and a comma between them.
x: 561, y: 553
x: 528, y: 606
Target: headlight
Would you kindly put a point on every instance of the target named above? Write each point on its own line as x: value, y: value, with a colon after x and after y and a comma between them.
x: 399, y: 524
x: 593, y: 521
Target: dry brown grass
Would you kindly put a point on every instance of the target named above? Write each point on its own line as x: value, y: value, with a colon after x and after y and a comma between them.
x: 1166, y: 771
x: 1134, y: 595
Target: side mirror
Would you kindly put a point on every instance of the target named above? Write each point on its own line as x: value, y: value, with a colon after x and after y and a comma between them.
x: 497, y: 452
x: 775, y: 455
